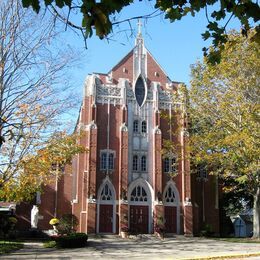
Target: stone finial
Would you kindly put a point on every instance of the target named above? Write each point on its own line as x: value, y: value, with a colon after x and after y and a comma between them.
x: 123, y: 127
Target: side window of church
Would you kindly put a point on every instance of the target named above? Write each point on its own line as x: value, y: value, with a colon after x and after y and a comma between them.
x: 144, y: 127
x: 135, y: 126
x: 103, y: 164
x: 170, y: 165
x: 107, y: 161
x: 111, y: 161
x: 135, y: 163
x: 143, y: 163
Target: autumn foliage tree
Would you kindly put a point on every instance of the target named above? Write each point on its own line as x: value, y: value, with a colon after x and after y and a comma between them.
x: 225, y: 118
x: 33, y: 89
x: 42, y: 168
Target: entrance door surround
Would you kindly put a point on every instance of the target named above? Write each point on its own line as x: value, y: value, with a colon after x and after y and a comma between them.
x: 106, y: 204
x: 140, y: 193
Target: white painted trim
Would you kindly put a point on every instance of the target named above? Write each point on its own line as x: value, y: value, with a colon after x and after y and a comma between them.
x: 113, y: 202
x: 176, y: 203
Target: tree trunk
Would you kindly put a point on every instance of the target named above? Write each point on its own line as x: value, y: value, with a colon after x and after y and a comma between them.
x: 256, y: 220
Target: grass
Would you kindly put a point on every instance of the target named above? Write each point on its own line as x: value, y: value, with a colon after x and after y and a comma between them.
x: 49, y: 244
x: 9, y: 246
x: 238, y: 240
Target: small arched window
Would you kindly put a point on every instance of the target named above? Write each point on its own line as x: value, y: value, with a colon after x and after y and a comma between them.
x: 143, y: 163
x: 135, y: 163
x: 135, y: 126
x: 144, y: 127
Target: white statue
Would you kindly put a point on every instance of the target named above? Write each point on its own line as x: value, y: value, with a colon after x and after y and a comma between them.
x: 34, y: 216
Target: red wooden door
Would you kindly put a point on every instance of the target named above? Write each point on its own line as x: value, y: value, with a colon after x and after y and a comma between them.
x: 106, y: 218
x: 139, y: 219
x: 170, y: 217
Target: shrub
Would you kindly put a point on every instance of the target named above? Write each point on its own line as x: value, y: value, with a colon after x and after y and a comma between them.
x: 72, y: 240
x: 68, y: 223
x: 206, y: 231
x: 12, y: 220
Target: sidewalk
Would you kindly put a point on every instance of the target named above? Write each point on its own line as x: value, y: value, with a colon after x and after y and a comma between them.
x: 143, y: 247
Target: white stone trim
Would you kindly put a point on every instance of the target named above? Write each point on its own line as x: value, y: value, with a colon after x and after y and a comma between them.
x: 176, y: 203
x: 150, y: 199
x: 113, y: 202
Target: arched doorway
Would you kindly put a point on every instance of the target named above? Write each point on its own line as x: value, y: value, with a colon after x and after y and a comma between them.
x: 140, y: 206
x: 106, y: 208
x: 171, y: 202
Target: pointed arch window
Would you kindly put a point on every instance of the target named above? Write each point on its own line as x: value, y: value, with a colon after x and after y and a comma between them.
x: 106, y: 193
x: 169, y: 195
x: 135, y: 126
x: 140, y: 91
x: 138, y: 194
x: 143, y: 163
x: 144, y: 127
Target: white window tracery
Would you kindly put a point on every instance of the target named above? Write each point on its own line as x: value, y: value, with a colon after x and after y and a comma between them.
x: 106, y: 193
x: 138, y: 194
x: 169, y: 195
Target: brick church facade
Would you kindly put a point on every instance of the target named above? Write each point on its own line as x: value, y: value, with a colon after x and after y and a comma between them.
x: 124, y: 176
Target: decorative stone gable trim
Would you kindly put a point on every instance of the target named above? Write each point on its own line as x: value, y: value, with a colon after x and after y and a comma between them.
x: 90, y: 85
x: 187, y: 202
x: 91, y: 126
x: 124, y: 128
x: 157, y: 130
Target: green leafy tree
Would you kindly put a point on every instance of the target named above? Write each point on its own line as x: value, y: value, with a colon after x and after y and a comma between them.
x: 101, y: 15
x: 225, y: 118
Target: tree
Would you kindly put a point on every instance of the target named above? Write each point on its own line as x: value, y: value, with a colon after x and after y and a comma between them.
x: 32, y: 85
x: 225, y: 118
x: 41, y: 168
x: 101, y: 15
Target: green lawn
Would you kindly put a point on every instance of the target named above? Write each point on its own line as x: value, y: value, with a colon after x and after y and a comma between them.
x: 8, y: 246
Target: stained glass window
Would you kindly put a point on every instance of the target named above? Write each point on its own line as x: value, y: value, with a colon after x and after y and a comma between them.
x: 139, y: 91
x: 106, y: 193
x: 139, y: 194
x: 169, y: 195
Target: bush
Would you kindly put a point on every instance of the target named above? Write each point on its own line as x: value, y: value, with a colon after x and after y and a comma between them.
x: 206, y: 231
x: 7, y: 225
x: 68, y: 224
x: 72, y: 240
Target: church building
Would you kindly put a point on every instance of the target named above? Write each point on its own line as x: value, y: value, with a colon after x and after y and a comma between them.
x: 136, y: 170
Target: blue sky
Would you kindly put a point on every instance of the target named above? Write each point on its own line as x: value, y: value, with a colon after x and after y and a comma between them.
x: 175, y: 46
